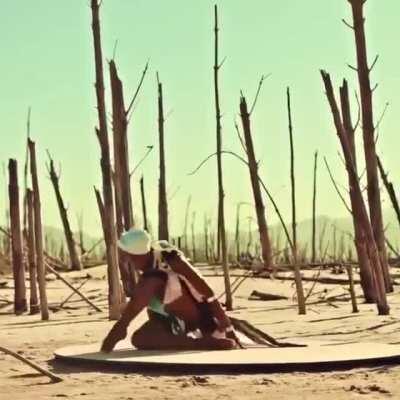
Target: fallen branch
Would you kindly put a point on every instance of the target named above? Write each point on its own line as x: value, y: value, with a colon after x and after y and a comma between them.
x: 54, y: 378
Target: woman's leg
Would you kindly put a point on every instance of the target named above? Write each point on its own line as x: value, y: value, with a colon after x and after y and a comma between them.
x: 156, y: 335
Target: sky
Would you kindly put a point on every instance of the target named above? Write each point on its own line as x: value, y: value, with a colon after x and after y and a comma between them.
x: 47, y: 63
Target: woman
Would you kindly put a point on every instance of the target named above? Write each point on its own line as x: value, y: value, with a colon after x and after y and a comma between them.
x: 183, y: 311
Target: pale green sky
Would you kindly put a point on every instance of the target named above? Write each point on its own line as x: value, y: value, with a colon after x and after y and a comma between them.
x: 47, y: 63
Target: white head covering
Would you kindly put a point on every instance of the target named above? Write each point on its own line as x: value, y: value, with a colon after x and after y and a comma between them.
x: 135, y: 241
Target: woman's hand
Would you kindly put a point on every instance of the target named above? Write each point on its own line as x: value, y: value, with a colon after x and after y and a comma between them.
x: 117, y: 333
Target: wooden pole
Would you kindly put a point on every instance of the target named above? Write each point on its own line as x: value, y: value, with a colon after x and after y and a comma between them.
x: 221, y: 194
x: 38, y: 233
x: 110, y: 236
x: 361, y: 212
x: 20, y: 305
x: 368, y: 127
x: 297, y: 275
x: 185, y: 227
x: 206, y: 240
x: 73, y: 254
x: 33, y: 301
x: 163, y: 231
x: 314, y: 210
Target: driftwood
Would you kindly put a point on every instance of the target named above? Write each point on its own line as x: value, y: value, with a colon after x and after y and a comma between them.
x: 62, y: 304
x: 54, y: 378
x: 20, y: 305
x: 259, y: 336
x: 221, y: 212
x: 255, y: 294
x: 59, y: 276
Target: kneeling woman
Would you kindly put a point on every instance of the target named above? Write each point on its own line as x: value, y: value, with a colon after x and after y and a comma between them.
x: 183, y: 312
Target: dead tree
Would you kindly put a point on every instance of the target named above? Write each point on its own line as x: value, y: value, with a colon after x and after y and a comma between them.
x: 185, y: 227
x: 255, y: 183
x: 163, y: 232
x: 297, y: 275
x: 110, y: 236
x: 33, y: 300
x: 390, y: 189
x: 41, y: 271
x: 367, y: 116
x: 314, y: 208
x: 20, y: 305
x: 144, y: 208
x: 123, y: 196
x: 360, y: 212
x: 206, y: 240
x: 194, y: 255
x: 221, y: 211
x: 69, y: 238
x: 366, y: 277
x: 80, y: 233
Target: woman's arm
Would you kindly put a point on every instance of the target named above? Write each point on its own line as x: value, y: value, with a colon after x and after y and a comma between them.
x: 142, y: 294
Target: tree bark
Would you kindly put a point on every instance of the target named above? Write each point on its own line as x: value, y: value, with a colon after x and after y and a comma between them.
x: 221, y: 213
x: 361, y: 212
x: 73, y: 254
x: 390, y: 189
x: 110, y: 236
x: 366, y: 276
x: 297, y: 274
x: 41, y: 272
x: 20, y: 305
x: 121, y: 154
x: 374, y: 198
x: 163, y: 231
x: 33, y: 301
x: 144, y: 208
x: 314, y: 208
x: 255, y: 183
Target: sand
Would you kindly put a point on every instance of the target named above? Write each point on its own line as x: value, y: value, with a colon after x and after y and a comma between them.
x: 78, y: 324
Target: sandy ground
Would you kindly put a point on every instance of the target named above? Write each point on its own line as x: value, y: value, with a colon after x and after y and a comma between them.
x: 77, y: 323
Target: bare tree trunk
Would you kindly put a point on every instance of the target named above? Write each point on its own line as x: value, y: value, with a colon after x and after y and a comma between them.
x: 81, y: 239
x: 221, y: 213
x: 374, y: 198
x: 255, y: 183
x: 121, y: 159
x: 194, y: 255
x: 237, y: 232
x: 390, y: 189
x: 38, y: 233
x: 20, y: 305
x: 314, y: 207
x: 33, y: 301
x: 102, y: 134
x: 73, y: 254
x: 163, y: 231
x: 297, y: 275
x: 361, y: 212
x: 349, y: 270
x: 144, y: 208
x: 206, y: 251
x: 366, y: 277
x: 185, y: 236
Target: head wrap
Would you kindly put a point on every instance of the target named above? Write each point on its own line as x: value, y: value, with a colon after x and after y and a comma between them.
x: 135, y: 241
